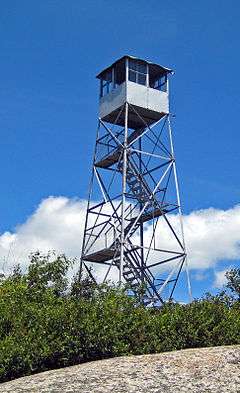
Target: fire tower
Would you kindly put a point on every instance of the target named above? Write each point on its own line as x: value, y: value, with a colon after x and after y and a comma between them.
x: 133, y: 230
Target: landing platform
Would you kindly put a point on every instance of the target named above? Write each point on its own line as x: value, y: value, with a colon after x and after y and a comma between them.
x: 103, y: 255
x: 112, y: 158
x: 152, y: 214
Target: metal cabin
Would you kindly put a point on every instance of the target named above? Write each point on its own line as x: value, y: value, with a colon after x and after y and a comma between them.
x: 141, y: 83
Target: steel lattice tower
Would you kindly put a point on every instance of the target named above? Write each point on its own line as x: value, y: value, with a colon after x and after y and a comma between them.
x: 134, y: 222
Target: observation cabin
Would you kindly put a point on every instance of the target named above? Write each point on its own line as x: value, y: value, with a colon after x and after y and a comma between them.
x: 141, y: 84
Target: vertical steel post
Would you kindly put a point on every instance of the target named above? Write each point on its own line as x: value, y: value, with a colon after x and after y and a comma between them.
x: 141, y: 224
x: 147, y: 76
x: 179, y: 208
x: 124, y: 184
x: 90, y: 190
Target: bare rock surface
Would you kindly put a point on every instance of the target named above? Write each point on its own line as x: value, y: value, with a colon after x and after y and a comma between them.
x: 197, y: 370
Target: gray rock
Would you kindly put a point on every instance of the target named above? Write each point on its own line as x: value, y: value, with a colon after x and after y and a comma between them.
x: 199, y: 370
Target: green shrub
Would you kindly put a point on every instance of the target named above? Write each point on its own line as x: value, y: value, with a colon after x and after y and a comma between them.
x: 45, y: 324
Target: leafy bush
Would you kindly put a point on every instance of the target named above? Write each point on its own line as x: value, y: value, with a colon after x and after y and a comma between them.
x: 46, y: 324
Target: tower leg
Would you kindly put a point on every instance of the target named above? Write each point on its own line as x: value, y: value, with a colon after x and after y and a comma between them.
x: 124, y: 185
x: 141, y: 224
x: 180, y: 211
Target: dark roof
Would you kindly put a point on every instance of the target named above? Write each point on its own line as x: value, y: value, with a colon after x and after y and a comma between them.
x: 157, y: 67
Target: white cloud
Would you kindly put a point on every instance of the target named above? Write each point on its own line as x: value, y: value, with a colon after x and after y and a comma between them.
x: 57, y: 224
x: 211, y: 235
x: 200, y: 275
x: 220, y: 278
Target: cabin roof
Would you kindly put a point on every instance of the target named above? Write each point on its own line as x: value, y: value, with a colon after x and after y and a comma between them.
x: 157, y: 68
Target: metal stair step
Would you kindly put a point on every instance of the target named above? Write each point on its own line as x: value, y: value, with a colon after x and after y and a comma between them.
x: 135, y: 285
x: 143, y: 197
x: 131, y: 279
x: 130, y: 176
x: 133, y: 182
x: 136, y: 189
x: 127, y: 273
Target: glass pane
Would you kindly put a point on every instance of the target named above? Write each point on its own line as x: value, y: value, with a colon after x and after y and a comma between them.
x: 132, y: 64
x: 164, y: 87
x: 142, y: 67
x: 108, y: 76
x: 120, y: 75
x: 156, y: 84
x: 142, y: 79
x: 132, y: 76
x: 110, y: 88
x: 151, y: 83
x: 163, y: 83
x: 105, y: 90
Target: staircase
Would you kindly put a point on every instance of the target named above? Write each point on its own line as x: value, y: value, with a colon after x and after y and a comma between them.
x: 133, y: 272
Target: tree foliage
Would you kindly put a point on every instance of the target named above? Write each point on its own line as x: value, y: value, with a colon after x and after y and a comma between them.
x: 233, y: 281
x: 45, y: 322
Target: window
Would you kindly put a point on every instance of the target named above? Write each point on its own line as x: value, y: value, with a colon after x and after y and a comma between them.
x: 120, y: 73
x: 112, y: 78
x: 160, y: 83
x: 106, y: 83
x: 137, y: 72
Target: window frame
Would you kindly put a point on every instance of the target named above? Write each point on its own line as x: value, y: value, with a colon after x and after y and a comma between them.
x: 160, y: 83
x: 133, y: 68
x: 107, y: 84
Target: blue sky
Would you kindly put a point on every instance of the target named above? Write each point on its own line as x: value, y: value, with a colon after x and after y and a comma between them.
x: 50, y: 54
